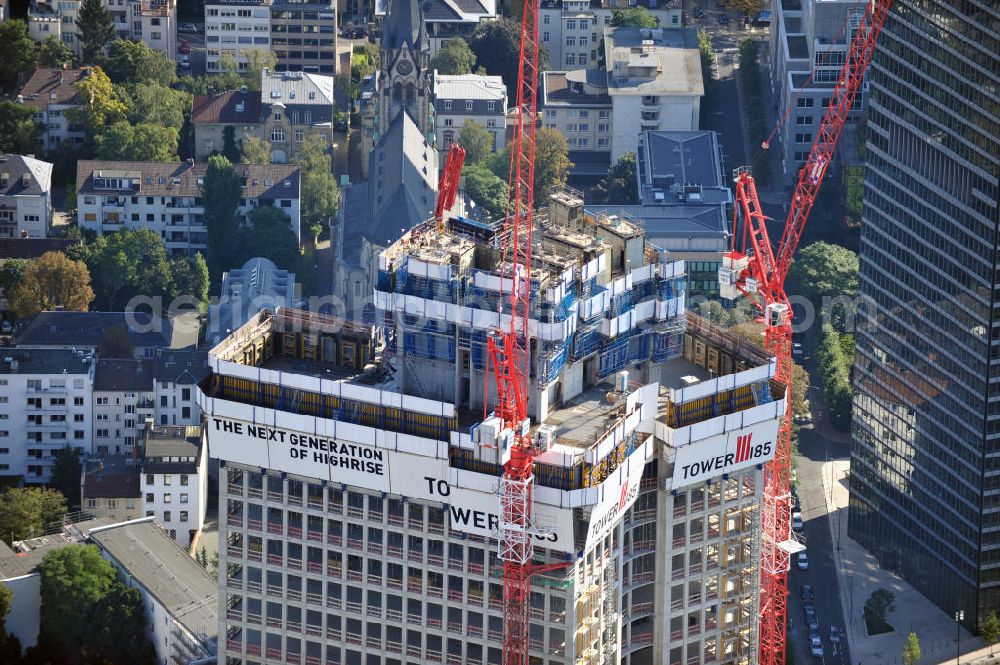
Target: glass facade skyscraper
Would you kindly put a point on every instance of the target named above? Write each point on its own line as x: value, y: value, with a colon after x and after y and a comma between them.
x: 925, y: 462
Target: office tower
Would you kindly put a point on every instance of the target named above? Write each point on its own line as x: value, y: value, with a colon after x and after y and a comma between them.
x: 925, y: 497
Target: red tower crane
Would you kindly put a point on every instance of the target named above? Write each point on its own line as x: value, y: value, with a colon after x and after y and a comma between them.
x: 755, y: 270
x: 451, y: 174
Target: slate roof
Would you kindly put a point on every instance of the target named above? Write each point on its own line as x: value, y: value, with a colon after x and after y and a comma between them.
x: 403, y: 26
x: 84, y: 329
x: 163, y: 442
x: 222, y: 108
x: 681, y: 168
x: 184, y: 367
x: 41, y: 87
x: 44, y: 361
x: 32, y: 248
x: 15, y: 167
x: 449, y: 11
x: 470, y: 86
x: 111, y: 477
x: 260, y: 181
x: 124, y: 375
x: 680, y: 220
x: 356, y: 218
x: 293, y: 88
x: 556, y: 89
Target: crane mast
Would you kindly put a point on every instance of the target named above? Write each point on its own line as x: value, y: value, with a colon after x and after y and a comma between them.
x: 753, y: 269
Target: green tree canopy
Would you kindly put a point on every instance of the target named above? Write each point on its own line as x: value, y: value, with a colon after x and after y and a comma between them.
x: 486, y: 189
x: 115, y: 343
x: 823, y: 272
x: 270, y: 235
x: 106, y: 104
x: 50, y: 281
x: 190, y: 276
x: 229, y: 147
x: 256, y: 150
x: 17, y: 51
x: 6, y: 601
x: 24, y: 512
x: 633, y: 17
x: 878, y: 606
x: 497, y: 47
x: 116, y: 629
x: 73, y: 579
x: 750, y: 7
x: 619, y: 186
x: 991, y: 629
x: 835, y: 377
x: 129, y: 263
x: 477, y: 141
x: 454, y: 57
x: 96, y: 29
x: 65, y: 477
x: 11, y: 271
x: 552, y: 163
x: 221, y: 193
x: 19, y: 132
x: 911, y: 652
x: 258, y: 59
x: 129, y: 62
x: 157, y: 104
x: 143, y: 142
x: 54, y: 52
x: 320, y: 193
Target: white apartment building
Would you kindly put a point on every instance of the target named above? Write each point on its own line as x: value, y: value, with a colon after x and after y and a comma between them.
x: 234, y: 28
x: 572, y: 30
x: 51, y: 92
x: 577, y: 105
x: 458, y: 98
x: 174, y: 472
x: 123, y: 400
x: 177, y: 373
x: 153, y: 22
x: 165, y: 197
x: 25, y: 197
x: 809, y: 42
x: 357, y: 511
x: 45, y: 405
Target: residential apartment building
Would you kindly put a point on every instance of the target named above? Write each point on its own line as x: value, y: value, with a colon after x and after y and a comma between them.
x: 25, y: 197
x: 359, y: 514
x: 45, y: 405
x: 572, y: 30
x: 109, y: 485
x: 177, y: 373
x: 295, y: 106
x: 445, y: 19
x: 211, y: 114
x: 165, y: 197
x: 459, y: 98
x: 50, y: 93
x: 174, y: 470
x: 123, y: 400
x: 809, y: 42
x: 153, y: 22
x: 178, y: 595
x: 925, y: 499
x: 685, y: 202
x: 234, y: 27
x: 651, y: 81
x: 83, y: 331
x: 304, y: 36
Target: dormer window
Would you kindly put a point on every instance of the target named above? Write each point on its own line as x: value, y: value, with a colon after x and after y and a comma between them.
x: 312, y: 95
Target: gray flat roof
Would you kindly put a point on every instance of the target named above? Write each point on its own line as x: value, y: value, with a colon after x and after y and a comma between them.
x: 44, y: 361
x: 673, y: 54
x: 166, y: 572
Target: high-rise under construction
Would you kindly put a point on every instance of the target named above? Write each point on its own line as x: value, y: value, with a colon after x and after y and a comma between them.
x: 360, y: 463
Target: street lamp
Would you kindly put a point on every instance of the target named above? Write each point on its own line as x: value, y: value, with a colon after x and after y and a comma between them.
x: 959, y: 618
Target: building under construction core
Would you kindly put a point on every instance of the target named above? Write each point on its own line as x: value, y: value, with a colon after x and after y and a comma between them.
x: 359, y: 472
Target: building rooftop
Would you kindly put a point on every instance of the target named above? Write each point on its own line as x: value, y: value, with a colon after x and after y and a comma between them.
x: 247, y: 290
x: 798, y: 47
x: 580, y: 87
x: 449, y: 11
x: 27, y: 554
x: 171, y: 448
x: 124, y: 375
x: 681, y: 168
x: 469, y: 86
x: 259, y: 181
x: 647, y: 61
x: 111, y: 477
x: 45, y: 361
x: 186, y: 367
x: 231, y: 107
x: 31, y: 248
x: 158, y: 564
x: 662, y: 220
x: 24, y: 176
x: 41, y: 87
x: 296, y: 88
x: 85, y: 329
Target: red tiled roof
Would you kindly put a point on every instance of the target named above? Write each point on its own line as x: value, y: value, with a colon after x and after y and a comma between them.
x: 222, y: 108
x: 41, y: 87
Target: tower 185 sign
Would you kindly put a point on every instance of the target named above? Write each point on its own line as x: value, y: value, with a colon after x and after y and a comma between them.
x: 724, y: 453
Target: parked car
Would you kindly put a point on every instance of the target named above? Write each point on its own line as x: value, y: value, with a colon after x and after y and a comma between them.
x: 796, y: 349
x: 816, y: 646
x: 803, y: 561
x: 185, y: 62
x: 807, y: 593
x: 723, y: 19
x: 811, y: 621
x: 188, y: 27
x: 698, y: 12
x: 184, y: 47
x: 835, y: 635
x: 796, y: 502
x: 797, y: 521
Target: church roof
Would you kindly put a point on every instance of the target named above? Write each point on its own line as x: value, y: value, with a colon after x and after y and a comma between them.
x: 404, y: 26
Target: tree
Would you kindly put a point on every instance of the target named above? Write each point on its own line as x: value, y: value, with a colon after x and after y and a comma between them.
x: 256, y: 150
x: 17, y: 51
x: 911, y: 652
x: 835, y: 377
x: 157, y: 104
x: 73, y: 579
x: 477, y: 141
x: 365, y: 60
x: 454, y: 57
x: 126, y: 264
x: 202, y: 557
x: 497, y: 47
x: 633, y: 17
x: 116, y: 629
x: 104, y: 103
x: 11, y: 271
x: 221, y: 193
x: 129, y: 62
x: 6, y: 602
x: 822, y: 273
x: 65, y: 477
x: 258, y: 59
x: 116, y: 343
x: 270, y: 236
x: 144, y: 142
x: 229, y: 149
x: 229, y: 77
x: 190, y: 277
x: 991, y: 629
x: 95, y: 27
x: 877, y: 608
x: 749, y: 7
x: 51, y: 281
x: 620, y: 186
x: 18, y: 130
x: 487, y: 190
x: 24, y: 512
x: 319, y: 190
x: 551, y: 163
x: 707, y: 54
x: 54, y: 52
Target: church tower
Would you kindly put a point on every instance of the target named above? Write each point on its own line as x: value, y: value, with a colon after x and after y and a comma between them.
x: 405, y: 80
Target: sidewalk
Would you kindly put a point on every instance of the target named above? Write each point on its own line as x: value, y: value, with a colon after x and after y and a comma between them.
x: 860, y: 575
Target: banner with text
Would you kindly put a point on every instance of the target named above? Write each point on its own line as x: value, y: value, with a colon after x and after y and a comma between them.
x: 725, y: 453
x: 620, y: 490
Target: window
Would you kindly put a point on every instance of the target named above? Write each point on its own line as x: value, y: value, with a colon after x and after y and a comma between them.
x: 150, y: 479
x: 571, y: 24
x: 277, y: 116
x: 602, y: 143
x: 92, y: 503
x: 803, y: 138
x: 166, y: 515
x: 78, y: 434
x: 447, y: 105
x: 570, y: 59
x: 150, y: 513
x: 603, y: 127
x: 112, y: 503
x: 167, y: 479
x: 449, y: 122
x: 186, y: 394
x: 468, y: 104
x: 805, y: 102
x: 184, y: 498
x: 184, y: 479
x: 102, y: 433
x: 150, y: 497
x: 184, y: 516
x: 167, y: 497
x: 545, y: 36
x: 804, y: 120
x: 299, y: 135
x: 571, y: 41
x: 78, y: 417
x: 130, y: 504
x: 583, y: 41
x: 277, y: 136
x: 77, y: 401
x: 584, y: 114
x: 545, y: 19
x: 102, y: 401
x: 491, y: 105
